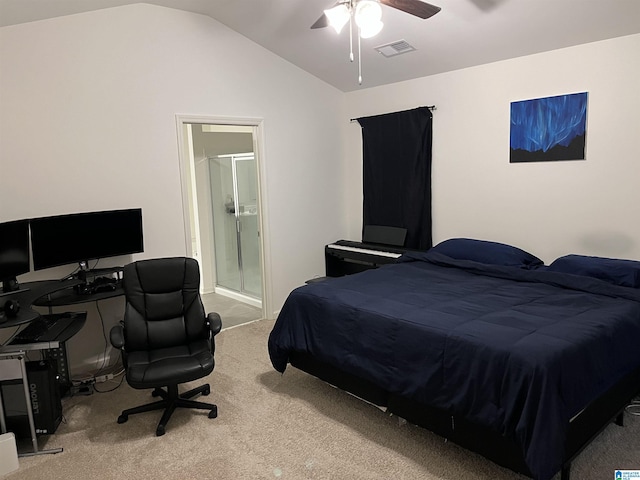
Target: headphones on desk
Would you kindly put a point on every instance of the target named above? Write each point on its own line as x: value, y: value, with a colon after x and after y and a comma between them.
x: 11, y: 308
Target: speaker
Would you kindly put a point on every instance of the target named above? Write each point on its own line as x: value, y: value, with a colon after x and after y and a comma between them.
x: 44, y: 394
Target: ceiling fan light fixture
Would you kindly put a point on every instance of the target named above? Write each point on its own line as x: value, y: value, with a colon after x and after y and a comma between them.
x: 367, y: 12
x: 338, y: 16
x: 368, y: 17
x: 371, y: 29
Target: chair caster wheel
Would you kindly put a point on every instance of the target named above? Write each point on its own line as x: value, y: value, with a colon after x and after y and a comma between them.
x: 213, y: 413
x: 123, y: 418
x: 206, y: 391
x: 155, y: 393
x: 160, y: 431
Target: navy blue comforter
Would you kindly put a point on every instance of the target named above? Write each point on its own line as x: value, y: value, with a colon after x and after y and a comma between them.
x: 519, y: 351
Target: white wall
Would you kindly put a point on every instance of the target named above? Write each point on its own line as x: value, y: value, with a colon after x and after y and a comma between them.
x: 550, y: 209
x: 88, y: 122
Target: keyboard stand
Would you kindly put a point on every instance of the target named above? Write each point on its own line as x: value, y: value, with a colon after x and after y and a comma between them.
x: 54, y: 347
x: 15, y: 368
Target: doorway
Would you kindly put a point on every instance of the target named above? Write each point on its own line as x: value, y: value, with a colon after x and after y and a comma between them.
x: 223, y: 213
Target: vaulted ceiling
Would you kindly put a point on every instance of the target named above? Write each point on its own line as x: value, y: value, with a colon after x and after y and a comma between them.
x: 465, y: 33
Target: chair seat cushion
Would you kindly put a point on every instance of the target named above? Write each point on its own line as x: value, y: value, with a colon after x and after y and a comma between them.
x: 168, y: 366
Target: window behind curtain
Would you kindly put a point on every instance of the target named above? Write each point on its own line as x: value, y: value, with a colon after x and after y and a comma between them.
x: 397, y: 173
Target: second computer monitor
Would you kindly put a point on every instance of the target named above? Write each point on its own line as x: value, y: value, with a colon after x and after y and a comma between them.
x: 80, y: 237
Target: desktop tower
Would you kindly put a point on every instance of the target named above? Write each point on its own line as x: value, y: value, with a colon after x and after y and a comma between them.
x: 45, y: 401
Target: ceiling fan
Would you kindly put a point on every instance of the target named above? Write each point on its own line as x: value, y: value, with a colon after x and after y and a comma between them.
x: 414, y: 7
x: 367, y: 16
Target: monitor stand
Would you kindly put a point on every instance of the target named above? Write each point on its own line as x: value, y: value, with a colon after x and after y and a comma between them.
x: 80, y: 273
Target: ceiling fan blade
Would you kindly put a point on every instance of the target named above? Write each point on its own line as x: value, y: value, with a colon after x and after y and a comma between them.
x: 414, y: 7
x: 322, y: 22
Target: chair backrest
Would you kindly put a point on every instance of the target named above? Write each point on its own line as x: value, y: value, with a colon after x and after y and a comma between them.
x: 163, y: 306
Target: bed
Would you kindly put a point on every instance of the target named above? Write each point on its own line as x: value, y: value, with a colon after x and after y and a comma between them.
x: 480, y: 343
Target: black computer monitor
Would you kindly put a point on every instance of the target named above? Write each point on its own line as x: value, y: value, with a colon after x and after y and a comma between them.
x: 80, y: 237
x: 14, y: 253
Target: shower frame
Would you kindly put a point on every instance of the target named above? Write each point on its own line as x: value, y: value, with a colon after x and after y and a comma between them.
x: 237, y: 212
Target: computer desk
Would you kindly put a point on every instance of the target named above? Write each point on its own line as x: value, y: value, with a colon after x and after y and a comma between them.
x: 48, y: 293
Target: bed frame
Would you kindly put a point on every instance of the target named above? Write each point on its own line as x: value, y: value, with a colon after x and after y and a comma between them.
x: 583, y: 428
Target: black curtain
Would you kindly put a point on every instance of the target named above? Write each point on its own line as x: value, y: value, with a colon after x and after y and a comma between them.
x: 397, y: 173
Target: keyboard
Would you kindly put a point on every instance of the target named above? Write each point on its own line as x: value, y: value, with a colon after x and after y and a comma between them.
x: 366, y: 251
x: 46, y: 328
x: 345, y: 257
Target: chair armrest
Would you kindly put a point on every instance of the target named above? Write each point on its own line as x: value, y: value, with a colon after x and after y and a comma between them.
x: 116, y: 335
x: 215, y: 323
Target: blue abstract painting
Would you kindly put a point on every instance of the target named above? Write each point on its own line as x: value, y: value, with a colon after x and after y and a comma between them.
x: 551, y: 128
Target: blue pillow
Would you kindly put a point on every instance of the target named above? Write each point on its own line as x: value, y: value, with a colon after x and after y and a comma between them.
x: 486, y: 252
x: 625, y: 273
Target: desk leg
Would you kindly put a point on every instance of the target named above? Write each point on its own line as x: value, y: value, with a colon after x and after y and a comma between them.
x: 27, y: 398
x: 3, y: 423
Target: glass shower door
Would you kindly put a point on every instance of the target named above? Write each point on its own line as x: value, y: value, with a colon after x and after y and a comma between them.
x: 234, y: 190
x: 224, y: 223
x: 247, y: 194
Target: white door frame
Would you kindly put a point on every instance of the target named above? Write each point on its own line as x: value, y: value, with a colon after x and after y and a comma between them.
x: 189, y: 203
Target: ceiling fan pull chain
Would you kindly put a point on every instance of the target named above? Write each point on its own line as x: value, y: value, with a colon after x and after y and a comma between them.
x: 359, y: 62
x: 350, y: 38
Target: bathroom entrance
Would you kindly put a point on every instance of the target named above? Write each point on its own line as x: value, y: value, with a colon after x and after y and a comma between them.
x: 222, y: 189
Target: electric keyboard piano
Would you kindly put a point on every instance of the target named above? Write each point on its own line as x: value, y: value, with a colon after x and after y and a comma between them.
x: 345, y: 257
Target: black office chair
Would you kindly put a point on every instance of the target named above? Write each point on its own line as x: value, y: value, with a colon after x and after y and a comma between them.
x: 165, y: 338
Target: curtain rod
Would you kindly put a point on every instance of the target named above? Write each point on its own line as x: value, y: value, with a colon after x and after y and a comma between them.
x: 430, y: 107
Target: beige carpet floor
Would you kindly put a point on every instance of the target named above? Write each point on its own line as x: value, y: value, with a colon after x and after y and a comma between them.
x: 273, y: 426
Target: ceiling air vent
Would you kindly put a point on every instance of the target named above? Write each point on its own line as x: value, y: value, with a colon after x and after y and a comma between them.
x: 395, y: 48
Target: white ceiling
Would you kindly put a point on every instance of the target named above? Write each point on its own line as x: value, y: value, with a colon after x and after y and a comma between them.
x: 465, y: 33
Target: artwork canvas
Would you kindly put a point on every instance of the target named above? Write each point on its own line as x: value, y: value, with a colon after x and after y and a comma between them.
x: 547, y: 129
